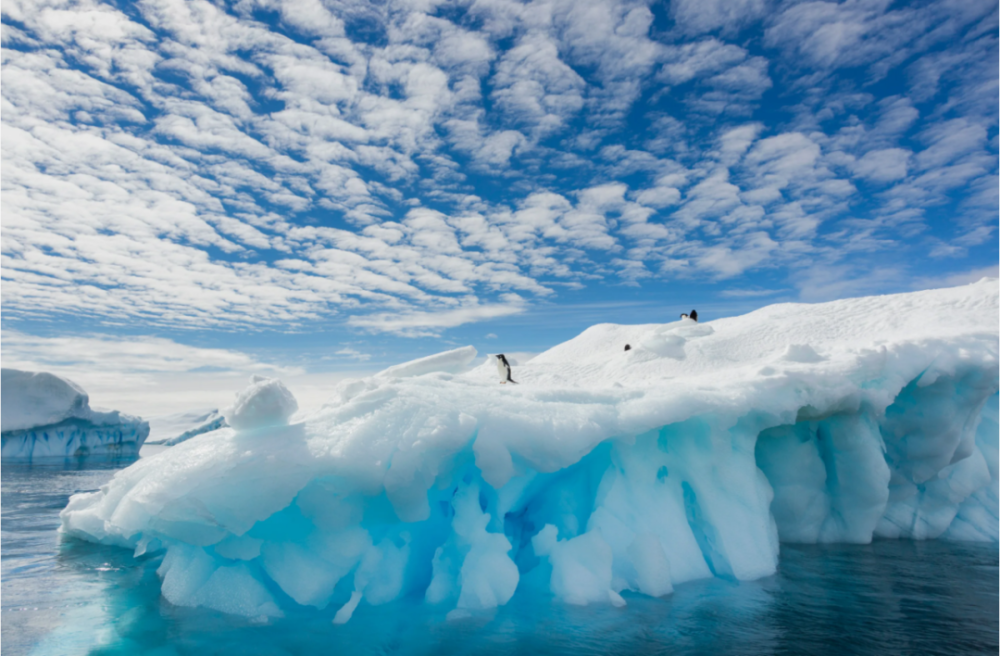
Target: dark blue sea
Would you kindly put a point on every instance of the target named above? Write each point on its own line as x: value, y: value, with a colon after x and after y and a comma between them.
x: 64, y: 597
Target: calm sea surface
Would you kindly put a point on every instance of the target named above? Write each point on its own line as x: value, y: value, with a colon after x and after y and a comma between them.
x: 64, y: 597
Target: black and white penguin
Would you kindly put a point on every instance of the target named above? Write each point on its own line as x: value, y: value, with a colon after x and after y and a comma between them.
x: 684, y: 315
x: 503, y: 368
x: 694, y: 315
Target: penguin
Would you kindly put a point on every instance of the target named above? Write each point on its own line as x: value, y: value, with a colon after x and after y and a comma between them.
x: 694, y: 315
x: 628, y: 347
x: 684, y: 315
x: 503, y: 368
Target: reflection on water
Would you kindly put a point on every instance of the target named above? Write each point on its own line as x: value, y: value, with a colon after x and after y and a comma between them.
x: 71, y: 597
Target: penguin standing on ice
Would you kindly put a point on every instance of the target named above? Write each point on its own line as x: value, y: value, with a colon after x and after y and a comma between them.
x: 693, y: 316
x: 503, y: 368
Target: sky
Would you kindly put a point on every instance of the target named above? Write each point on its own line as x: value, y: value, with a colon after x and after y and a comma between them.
x: 196, y: 191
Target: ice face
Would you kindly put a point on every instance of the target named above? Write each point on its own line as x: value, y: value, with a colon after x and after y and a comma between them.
x: 692, y: 455
x: 45, y: 416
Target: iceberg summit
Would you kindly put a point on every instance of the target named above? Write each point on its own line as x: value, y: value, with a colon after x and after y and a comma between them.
x: 693, y: 454
x: 44, y: 416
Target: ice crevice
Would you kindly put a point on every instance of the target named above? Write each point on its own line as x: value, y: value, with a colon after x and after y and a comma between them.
x: 604, y: 473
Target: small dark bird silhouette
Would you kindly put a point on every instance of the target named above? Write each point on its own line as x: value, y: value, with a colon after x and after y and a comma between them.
x: 694, y: 314
x: 628, y: 347
x: 503, y: 368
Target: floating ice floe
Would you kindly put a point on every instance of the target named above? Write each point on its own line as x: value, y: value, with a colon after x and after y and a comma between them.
x: 692, y: 455
x: 46, y: 416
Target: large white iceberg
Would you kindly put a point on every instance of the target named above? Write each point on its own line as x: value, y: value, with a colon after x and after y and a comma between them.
x: 46, y: 416
x: 691, y: 455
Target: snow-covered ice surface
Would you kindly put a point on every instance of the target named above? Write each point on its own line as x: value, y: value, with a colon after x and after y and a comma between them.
x: 265, y: 403
x: 691, y: 455
x: 44, y: 416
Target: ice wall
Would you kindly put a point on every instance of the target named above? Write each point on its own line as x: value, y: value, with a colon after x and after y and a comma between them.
x: 691, y: 455
x: 45, y: 416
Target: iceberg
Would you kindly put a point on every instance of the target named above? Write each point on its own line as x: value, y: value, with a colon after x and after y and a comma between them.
x: 694, y: 454
x: 170, y: 430
x: 44, y: 416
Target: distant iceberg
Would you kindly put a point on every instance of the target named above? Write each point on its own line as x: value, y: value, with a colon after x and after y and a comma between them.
x: 692, y: 455
x: 45, y: 416
x: 171, y: 430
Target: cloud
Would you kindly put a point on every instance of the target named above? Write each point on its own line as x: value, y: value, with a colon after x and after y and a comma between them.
x: 271, y: 165
x: 883, y: 165
x: 142, y: 354
x: 423, y: 324
x: 353, y: 354
x: 698, y: 16
x: 534, y: 88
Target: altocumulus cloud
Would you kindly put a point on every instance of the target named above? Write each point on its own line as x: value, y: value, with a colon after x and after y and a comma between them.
x: 412, y: 167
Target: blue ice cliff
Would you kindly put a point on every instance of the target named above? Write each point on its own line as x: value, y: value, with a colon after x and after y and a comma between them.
x: 44, y: 416
x: 692, y: 455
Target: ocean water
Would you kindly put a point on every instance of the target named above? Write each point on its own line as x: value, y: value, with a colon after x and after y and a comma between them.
x: 64, y: 597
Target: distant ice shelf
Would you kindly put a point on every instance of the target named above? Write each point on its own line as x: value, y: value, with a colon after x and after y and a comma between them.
x: 47, y: 417
x: 694, y: 454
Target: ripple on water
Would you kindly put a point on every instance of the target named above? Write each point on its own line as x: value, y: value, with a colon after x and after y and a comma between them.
x: 71, y: 597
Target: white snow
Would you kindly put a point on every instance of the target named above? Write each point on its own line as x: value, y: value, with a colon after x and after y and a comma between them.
x: 454, y: 361
x: 33, y: 399
x: 264, y: 403
x: 45, y: 416
x: 692, y: 455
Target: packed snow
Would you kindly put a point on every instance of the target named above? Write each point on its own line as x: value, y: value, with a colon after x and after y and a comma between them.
x: 604, y: 472
x: 265, y: 403
x: 45, y: 416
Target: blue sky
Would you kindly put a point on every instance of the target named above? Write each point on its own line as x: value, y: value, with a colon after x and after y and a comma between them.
x: 194, y: 190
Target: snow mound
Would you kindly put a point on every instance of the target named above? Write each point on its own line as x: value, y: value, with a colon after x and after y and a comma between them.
x: 452, y: 362
x: 46, y: 416
x: 692, y: 455
x: 264, y: 403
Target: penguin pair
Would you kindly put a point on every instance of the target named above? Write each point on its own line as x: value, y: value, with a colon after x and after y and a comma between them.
x: 693, y: 316
x: 503, y: 368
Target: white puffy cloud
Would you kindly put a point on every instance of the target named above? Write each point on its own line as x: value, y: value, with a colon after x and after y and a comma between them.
x: 698, y: 16
x: 403, y: 167
x: 883, y: 165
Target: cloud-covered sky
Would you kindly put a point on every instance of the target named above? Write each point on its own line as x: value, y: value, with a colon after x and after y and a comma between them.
x: 346, y: 184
